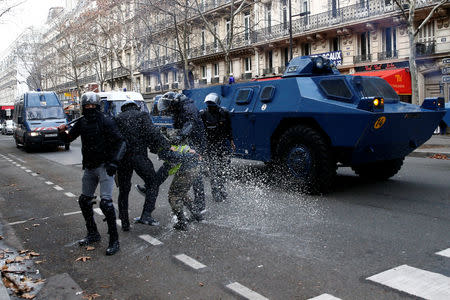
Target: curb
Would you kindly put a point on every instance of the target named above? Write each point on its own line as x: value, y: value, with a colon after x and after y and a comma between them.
x: 427, y: 154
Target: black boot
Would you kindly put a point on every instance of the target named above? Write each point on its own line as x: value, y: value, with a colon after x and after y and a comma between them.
x: 125, y: 221
x: 182, y: 223
x: 107, y: 208
x: 196, y: 216
x: 92, y: 236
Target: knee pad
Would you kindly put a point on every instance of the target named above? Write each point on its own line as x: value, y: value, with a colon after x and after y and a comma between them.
x: 86, y: 202
x: 106, y: 205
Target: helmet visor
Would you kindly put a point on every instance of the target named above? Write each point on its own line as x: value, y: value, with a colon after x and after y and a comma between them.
x: 164, y: 104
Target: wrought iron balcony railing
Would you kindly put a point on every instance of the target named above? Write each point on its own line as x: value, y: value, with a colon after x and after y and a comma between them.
x: 362, y: 58
x: 426, y: 48
x: 386, y: 55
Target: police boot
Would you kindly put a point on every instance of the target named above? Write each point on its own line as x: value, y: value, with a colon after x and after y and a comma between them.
x: 92, y: 236
x: 123, y: 216
x: 182, y: 223
x: 196, y: 215
x: 147, y: 219
x: 107, y: 208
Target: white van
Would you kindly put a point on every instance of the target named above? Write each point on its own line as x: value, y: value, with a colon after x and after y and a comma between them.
x: 111, y: 102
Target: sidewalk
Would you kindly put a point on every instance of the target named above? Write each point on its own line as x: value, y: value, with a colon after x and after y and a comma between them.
x: 438, y: 146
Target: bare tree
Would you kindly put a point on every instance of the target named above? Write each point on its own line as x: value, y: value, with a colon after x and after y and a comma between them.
x: 7, y: 6
x: 408, y: 9
x: 228, y: 42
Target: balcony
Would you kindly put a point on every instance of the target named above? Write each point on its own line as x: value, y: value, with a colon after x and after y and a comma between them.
x: 157, y: 88
x: 165, y: 87
x: 215, y: 80
x: 387, y: 55
x: 175, y: 85
x: 202, y: 81
x: 148, y: 89
x: 246, y: 76
x: 362, y: 58
x: 268, y: 71
x: 426, y: 48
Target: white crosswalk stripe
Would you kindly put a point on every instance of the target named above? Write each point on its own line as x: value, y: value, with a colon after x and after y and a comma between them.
x: 445, y: 252
x: 416, y: 282
x: 325, y: 297
x: 245, y: 291
x: 150, y: 239
x: 190, y: 261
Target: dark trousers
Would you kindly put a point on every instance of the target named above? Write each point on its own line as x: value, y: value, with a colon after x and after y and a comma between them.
x: 218, y: 168
x: 144, y: 168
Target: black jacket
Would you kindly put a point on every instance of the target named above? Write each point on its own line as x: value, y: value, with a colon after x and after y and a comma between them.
x: 187, y: 120
x: 218, y: 130
x: 101, y: 141
x: 139, y: 132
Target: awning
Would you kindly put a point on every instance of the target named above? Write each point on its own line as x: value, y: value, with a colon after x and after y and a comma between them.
x: 399, y: 79
x: 8, y: 107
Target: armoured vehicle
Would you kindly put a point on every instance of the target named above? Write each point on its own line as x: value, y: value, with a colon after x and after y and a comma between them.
x: 312, y: 119
x: 36, y: 117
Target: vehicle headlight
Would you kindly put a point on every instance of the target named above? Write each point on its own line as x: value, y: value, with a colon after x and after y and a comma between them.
x: 34, y: 133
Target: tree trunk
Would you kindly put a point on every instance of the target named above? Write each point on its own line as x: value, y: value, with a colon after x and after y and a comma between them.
x: 413, y: 67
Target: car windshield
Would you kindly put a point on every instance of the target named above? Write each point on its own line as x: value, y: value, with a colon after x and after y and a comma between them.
x: 9, y: 122
x: 115, y: 107
x: 378, y: 87
x: 45, y: 113
x: 44, y: 99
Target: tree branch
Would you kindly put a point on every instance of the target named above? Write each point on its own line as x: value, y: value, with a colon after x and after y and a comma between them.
x: 429, y: 16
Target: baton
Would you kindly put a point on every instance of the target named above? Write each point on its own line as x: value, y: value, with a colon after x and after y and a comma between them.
x: 75, y: 120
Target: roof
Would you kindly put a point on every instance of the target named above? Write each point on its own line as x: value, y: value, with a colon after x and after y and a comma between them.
x: 121, y: 96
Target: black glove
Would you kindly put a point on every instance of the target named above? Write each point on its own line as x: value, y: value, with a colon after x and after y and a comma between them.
x: 111, y: 169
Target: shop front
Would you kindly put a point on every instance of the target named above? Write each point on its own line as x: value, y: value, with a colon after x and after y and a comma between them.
x: 6, y: 112
x: 396, y: 74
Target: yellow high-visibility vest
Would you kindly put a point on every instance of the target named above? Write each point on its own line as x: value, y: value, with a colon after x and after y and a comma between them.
x: 181, y: 149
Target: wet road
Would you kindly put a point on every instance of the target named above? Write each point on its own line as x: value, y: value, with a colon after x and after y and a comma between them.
x: 263, y: 242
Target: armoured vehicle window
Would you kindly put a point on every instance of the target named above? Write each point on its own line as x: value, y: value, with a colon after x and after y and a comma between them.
x: 244, y: 96
x: 267, y: 93
x: 35, y: 99
x: 377, y: 87
x: 336, y: 88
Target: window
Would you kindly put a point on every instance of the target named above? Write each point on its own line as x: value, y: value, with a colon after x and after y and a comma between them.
x: 228, y: 26
x: 335, y: 44
x: 129, y: 60
x: 284, y: 16
x: 248, y: 64
x: 247, y: 26
x: 215, y: 36
x: 364, y: 45
x: 166, y: 77
x: 336, y: 88
x: 334, y: 8
x: 203, y: 39
x: 203, y: 72
x: 390, y: 42
x: 270, y: 60
x: 286, y: 56
x: 216, y: 70
x: 306, y: 49
x: 175, y: 76
x: 244, y: 96
x: 304, y: 9
x: 230, y: 63
x: 149, y: 80
x: 267, y: 93
x: 269, y: 17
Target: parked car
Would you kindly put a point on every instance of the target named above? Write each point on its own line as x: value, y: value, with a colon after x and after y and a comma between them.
x: 7, y: 127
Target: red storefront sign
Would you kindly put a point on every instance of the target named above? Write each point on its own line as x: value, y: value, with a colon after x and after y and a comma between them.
x: 399, y: 79
x: 7, y: 107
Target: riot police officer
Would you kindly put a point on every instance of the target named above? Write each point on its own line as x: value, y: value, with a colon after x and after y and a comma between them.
x: 102, y: 147
x: 139, y: 132
x: 190, y: 138
x: 219, y: 143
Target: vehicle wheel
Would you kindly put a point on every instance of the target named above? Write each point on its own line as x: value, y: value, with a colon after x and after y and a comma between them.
x: 17, y: 142
x: 67, y: 146
x: 26, y: 145
x: 306, y: 157
x: 380, y: 170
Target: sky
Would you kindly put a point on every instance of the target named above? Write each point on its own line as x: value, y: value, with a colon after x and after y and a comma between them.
x: 30, y: 13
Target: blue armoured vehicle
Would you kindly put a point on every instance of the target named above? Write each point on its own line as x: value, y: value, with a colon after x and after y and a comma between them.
x: 312, y: 119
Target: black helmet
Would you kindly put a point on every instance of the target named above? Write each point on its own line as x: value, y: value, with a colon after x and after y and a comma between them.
x: 212, y: 99
x: 129, y: 104
x: 167, y: 101
x: 90, y: 98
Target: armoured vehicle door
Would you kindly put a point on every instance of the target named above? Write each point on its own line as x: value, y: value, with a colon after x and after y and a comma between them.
x: 241, y: 108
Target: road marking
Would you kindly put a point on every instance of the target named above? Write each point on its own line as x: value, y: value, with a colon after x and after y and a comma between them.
x: 98, y: 211
x: 72, y: 213
x: 190, y: 261
x: 416, y: 282
x: 49, y: 182
x: 18, y: 165
x: 445, y: 252
x: 69, y: 194
x: 23, y: 168
x: 28, y: 171
x: 325, y: 297
x: 150, y: 239
x: 58, y: 188
x: 245, y: 292
x: 16, y: 223
x: 19, y: 159
x: 34, y: 174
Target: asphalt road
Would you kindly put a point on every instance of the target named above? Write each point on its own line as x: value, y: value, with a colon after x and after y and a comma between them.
x: 264, y: 241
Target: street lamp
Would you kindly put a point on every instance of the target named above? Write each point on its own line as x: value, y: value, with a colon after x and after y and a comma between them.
x: 290, y: 25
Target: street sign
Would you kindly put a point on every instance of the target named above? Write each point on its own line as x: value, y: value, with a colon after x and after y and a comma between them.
x: 446, y: 60
x: 446, y: 79
x: 445, y: 70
